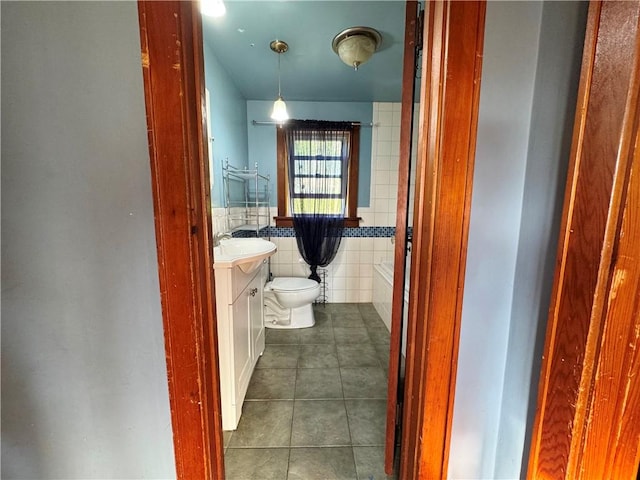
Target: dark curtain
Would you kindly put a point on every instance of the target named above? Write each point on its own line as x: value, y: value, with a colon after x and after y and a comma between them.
x: 318, y: 162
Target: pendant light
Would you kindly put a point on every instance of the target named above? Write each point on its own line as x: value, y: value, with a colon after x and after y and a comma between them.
x: 279, y: 113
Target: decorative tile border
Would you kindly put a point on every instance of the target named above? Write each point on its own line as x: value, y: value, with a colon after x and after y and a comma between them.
x: 351, y: 232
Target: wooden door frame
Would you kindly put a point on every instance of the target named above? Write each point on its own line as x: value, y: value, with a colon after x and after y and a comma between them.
x: 588, y: 415
x: 173, y: 71
x: 449, y: 97
x: 172, y: 60
x: 395, y: 391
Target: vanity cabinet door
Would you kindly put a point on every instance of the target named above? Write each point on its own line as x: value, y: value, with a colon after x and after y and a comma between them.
x: 242, y: 348
x: 241, y: 338
x: 256, y: 305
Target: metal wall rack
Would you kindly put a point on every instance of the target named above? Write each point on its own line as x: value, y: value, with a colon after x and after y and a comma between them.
x: 246, y: 194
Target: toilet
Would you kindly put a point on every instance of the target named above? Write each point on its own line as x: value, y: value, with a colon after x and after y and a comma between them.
x: 287, y: 302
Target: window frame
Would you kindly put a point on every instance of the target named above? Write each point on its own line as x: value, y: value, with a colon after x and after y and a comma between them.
x: 283, y: 219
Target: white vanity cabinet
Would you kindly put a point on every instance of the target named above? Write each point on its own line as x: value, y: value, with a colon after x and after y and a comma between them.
x: 239, y: 307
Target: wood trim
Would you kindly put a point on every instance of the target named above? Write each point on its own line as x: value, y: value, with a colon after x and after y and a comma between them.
x: 404, y: 169
x: 611, y: 444
x: 450, y: 91
x: 587, y: 423
x: 354, y: 173
x: 352, y: 219
x: 281, y: 159
x: 172, y: 61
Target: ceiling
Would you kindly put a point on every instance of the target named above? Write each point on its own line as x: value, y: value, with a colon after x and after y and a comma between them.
x: 311, y: 71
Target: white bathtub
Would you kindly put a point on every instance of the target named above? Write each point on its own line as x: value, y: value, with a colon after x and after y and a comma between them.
x: 383, y: 293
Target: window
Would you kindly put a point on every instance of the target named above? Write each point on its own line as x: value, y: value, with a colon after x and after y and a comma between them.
x: 315, y: 163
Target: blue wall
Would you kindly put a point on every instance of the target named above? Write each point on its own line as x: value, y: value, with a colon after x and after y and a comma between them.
x: 228, y: 122
x: 262, y: 138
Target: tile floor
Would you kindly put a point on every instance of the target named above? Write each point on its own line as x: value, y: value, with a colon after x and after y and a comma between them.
x: 315, y: 407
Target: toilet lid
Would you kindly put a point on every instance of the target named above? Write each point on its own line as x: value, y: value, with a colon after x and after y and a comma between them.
x: 291, y: 284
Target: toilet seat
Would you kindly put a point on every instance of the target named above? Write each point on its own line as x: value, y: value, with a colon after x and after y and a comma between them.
x: 292, y: 284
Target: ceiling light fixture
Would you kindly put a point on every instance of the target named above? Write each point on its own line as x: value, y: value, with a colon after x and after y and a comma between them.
x: 355, y: 45
x: 212, y: 8
x: 279, y: 113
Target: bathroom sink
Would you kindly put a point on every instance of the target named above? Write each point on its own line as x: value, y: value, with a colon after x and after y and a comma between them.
x: 244, y: 253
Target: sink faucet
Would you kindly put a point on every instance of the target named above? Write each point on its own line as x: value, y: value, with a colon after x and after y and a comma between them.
x: 220, y: 236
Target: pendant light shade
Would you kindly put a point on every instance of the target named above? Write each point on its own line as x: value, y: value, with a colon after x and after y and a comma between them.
x: 279, y: 113
x: 356, y: 45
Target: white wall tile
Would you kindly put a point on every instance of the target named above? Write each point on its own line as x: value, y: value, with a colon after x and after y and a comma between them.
x: 381, y: 218
x: 395, y: 134
x: 366, y: 269
x: 384, y: 134
x: 353, y: 296
x: 396, y: 116
x: 286, y: 256
x: 351, y: 270
x: 366, y: 258
x: 384, y: 148
x: 366, y: 244
x: 339, y: 296
x: 353, y: 257
x: 365, y: 296
x: 339, y: 283
x: 385, y: 119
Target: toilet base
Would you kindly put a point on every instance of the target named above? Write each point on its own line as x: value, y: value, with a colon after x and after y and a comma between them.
x: 301, y: 317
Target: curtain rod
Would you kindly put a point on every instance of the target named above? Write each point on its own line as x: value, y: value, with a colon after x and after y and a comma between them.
x: 256, y: 122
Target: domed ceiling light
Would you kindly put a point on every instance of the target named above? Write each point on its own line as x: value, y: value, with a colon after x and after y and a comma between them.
x: 355, y: 45
x: 279, y: 113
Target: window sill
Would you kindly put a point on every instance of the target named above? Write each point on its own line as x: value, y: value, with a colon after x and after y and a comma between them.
x: 288, y: 221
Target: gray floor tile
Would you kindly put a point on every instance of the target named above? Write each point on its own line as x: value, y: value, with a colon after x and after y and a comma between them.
x: 364, y: 382
x: 351, y: 335
x: 317, y: 335
x: 320, y: 423
x: 342, y: 308
x: 348, y: 320
x: 256, y: 463
x: 282, y: 336
x: 322, y: 464
x: 272, y: 384
x: 318, y: 383
x: 370, y: 463
x: 382, y: 348
x: 354, y: 355
x: 383, y: 354
x: 322, y: 431
x: 379, y: 335
x: 264, y: 424
x: 372, y: 319
x: 323, y: 318
x: 367, y: 421
x: 367, y: 309
x: 318, y: 356
x: 226, y: 437
x: 279, y: 356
